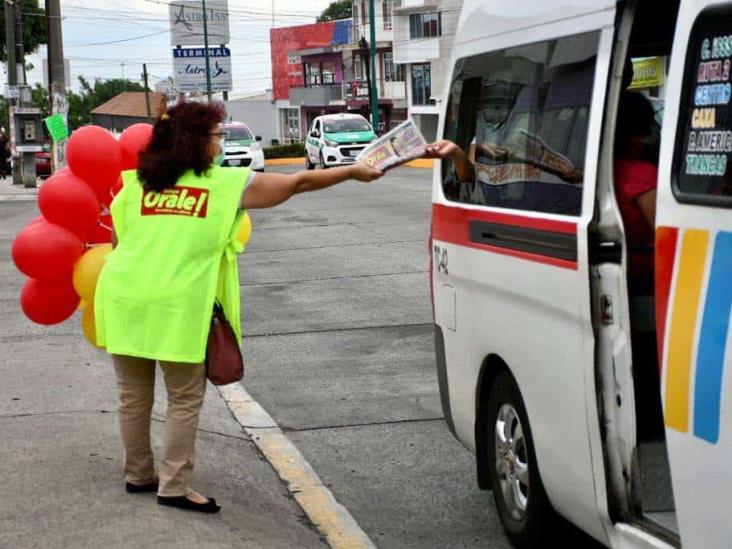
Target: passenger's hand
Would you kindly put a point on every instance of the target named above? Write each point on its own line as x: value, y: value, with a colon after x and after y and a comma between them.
x: 441, y: 149
x: 361, y: 171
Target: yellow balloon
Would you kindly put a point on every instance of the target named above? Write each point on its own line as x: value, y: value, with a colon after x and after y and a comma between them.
x: 88, y: 326
x: 87, y: 269
x: 82, y: 305
x: 245, y: 229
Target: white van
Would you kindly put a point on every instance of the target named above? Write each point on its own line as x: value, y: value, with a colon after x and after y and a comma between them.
x: 545, y: 335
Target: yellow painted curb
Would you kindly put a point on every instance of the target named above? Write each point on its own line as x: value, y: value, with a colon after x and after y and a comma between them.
x: 427, y: 163
x: 284, y: 161
x: 330, y: 517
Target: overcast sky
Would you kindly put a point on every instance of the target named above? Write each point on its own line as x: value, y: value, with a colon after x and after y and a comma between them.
x: 140, y: 30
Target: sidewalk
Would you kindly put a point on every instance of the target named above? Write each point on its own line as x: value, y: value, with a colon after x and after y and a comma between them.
x: 60, y: 456
x: 10, y: 192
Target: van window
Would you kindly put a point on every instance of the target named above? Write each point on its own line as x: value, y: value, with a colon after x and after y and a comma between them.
x: 523, y: 114
x: 701, y: 170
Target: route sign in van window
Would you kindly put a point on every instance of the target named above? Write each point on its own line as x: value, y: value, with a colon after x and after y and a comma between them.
x: 703, y: 159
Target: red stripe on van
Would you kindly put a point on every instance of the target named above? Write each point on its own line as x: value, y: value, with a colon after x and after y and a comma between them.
x: 666, y: 238
x: 451, y: 224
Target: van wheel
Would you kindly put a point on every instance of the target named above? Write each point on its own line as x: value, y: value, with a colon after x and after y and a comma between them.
x: 321, y: 163
x: 308, y: 165
x: 523, y: 506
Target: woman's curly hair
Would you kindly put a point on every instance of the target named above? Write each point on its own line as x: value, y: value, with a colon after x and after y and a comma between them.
x: 179, y: 143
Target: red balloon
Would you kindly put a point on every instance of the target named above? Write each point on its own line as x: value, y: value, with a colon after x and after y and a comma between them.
x: 106, y: 199
x: 94, y: 155
x: 49, y: 302
x: 117, y: 187
x: 46, y: 251
x: 66, y: 200
x: 102, y: 233
x: 133, y: 140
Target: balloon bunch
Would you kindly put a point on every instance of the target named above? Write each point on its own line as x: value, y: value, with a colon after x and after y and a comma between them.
x: 63, y: 250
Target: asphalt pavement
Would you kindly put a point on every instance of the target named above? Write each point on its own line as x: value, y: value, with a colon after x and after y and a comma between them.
x: 338, y: 342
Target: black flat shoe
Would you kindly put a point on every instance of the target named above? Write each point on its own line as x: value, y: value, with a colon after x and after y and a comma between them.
x: 182, y: 502
x: 141, y: 488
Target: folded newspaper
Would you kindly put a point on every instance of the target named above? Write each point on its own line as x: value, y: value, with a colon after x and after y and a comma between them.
x: 400, y: 145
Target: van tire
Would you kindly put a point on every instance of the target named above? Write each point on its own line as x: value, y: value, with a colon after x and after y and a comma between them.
x: 532, y: 525
x: 308, y: 165
x: 322, y: 164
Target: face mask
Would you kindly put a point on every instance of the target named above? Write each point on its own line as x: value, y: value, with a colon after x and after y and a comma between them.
x: 219, y: 158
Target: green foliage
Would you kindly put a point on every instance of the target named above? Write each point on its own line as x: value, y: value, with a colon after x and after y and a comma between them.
x: 92, y: 95
x: 34, y: 27
x: 295, y: 150
x: 340, y: 9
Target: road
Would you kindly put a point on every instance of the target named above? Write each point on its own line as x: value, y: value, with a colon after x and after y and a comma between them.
x: 338, y: 346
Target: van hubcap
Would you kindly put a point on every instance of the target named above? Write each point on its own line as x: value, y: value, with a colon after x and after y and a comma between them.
x: 512, y: 461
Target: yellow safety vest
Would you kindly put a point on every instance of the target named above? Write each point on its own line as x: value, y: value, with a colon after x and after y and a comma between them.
x: 176, y: 253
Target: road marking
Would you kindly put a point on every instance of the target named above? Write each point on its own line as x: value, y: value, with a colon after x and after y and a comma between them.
x: 329, y: 517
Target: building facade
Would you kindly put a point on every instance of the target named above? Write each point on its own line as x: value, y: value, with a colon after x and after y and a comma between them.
x: 322, y: 69
x: 423, y: 32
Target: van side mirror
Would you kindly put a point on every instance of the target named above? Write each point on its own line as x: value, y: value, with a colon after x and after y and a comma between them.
x: 315, y: 134
x: 257, y: 138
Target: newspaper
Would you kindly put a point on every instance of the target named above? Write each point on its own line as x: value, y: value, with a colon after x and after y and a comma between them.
x: 400, y: 145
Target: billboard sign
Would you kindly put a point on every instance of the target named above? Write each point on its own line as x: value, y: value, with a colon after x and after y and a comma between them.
x: 186, y: 22
x: 189, y: 69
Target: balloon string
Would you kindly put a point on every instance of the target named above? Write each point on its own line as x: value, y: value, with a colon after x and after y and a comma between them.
x: 105, y: 226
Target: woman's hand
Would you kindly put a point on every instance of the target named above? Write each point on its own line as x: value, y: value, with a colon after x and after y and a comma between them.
x: 441, y: 149
x: 360, y: 171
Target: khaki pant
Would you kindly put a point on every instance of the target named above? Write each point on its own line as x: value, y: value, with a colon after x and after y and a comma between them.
x: 186, y: 385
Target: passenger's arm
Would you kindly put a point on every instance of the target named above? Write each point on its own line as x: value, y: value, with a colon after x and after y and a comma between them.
x: 647, y: 203
x: 447, y: 149
x: 270, y: 189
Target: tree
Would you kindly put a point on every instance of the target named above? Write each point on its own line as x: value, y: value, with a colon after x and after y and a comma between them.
x: 34, y: 27
x: 340, y: 9
x: 92, y: 95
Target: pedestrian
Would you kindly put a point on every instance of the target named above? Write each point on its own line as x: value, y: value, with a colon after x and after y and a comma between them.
x: 173, y: 222
x: 4, y: 153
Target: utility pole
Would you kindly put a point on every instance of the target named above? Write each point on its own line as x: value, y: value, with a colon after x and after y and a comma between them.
x: 56, y: 76
x: 147, y: 91
x: 363, y: 47
x: 10, y: 44
x: 12, y: 81
x: 373, y: 89
x: 205, y: 44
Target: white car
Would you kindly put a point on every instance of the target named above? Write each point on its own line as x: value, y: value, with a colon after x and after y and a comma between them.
x: 336, y: 139
x: 241, y: 147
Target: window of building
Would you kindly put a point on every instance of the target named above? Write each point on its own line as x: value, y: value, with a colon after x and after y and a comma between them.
x: 328, y: 72
x: 522, y: 116
x: 425, y: 25
x: 364, y: 12
x: 386, y: 10
x: 392, y: 72
x: 290, y: 128
x: 701, y: 168
x: 421, y: 84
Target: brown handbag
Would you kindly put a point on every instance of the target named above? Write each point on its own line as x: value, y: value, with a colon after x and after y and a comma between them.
x: 224, y: 363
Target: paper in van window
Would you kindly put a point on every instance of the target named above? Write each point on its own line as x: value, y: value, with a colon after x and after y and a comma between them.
x: 400, y: 145
x: 706, y: 140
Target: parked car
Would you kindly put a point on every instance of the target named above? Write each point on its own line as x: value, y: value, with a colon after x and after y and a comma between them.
x: 43, y: 161
x: 241, y: 147
x: 336, y: 139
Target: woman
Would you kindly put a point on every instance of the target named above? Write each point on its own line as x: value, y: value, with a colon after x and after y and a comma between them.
x: 173, y: 222
x: 636, y: 176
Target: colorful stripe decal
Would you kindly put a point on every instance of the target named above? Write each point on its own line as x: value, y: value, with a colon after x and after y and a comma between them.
x: 712, y: 341
x: 683, y: 326
x: 666, y: 238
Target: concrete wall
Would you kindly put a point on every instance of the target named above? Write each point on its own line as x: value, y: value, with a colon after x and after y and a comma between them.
x: 259, y: 114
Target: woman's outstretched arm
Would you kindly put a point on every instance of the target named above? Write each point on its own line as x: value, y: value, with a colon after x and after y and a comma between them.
x: 270, y: 189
